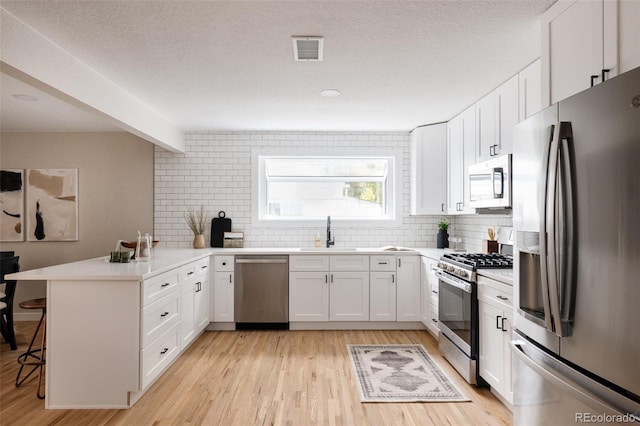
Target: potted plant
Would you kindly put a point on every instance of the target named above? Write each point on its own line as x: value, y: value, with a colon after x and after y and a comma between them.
x: 443, y: 236
x: 198, y: 220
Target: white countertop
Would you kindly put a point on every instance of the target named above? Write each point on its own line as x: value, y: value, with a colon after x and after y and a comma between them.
x: 504, y: 275
x: 163, y: 260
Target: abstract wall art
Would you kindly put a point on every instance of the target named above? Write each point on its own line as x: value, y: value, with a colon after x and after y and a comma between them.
x: 52, y: 204
x: 12, y: 205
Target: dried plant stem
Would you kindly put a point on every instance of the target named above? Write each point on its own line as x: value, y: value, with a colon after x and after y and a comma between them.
x: 197, y: 220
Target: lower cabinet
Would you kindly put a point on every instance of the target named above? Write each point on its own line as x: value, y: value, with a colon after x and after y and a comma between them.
x: 496, y: 320
x: 308, y: 296
x: 195, y: 302
x: 382, y: 296
x: 222, y: 296
x: 408, y: 288
x: 349, y: 296
x: 339, y: 291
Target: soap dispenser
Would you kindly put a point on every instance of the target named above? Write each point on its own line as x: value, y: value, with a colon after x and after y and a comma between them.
x: 318, y: 240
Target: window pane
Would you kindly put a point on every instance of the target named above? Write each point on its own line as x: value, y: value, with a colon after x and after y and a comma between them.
x: 317, y: 167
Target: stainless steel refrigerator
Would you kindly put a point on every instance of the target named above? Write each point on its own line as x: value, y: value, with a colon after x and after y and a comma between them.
x: 576, y: 212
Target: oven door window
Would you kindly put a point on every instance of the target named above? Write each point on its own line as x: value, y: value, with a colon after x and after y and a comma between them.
x: 454, y: 310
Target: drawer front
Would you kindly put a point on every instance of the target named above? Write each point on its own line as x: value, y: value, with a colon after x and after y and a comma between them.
x: 494, y: 292
x: 223, y: 263
x: 202, y: 266
x: 156, y: 288
x: 158, y: 355
x: 352, y: 263
x: 309, y: 263
x: 187, y: 272
x: 382, y: 263
x: 158, y: 317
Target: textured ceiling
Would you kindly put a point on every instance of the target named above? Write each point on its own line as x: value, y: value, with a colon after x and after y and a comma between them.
x: 228, y: 65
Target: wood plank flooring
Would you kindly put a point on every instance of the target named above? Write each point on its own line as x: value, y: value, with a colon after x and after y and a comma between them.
x: 257, y: 378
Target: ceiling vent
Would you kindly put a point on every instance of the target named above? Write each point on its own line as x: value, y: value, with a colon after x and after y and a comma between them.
x: 307, y: 48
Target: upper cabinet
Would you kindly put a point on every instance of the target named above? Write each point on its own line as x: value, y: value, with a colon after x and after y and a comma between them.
x: 585, y: 42
x: 429, y: 169
x: 496, y: 115
x: 461, y: 153
x: 530, y: 92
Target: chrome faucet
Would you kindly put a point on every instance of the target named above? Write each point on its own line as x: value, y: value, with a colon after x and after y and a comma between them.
x: 330, y: 241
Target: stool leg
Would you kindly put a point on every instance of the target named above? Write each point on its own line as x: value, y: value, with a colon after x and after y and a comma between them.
x: 24, y: 358
x: 42, y: 358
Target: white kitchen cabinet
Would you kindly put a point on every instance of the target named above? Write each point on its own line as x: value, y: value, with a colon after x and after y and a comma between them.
x: 382, y: 288
x: 428, y: 170
x: 408, y: 288
x: 461, y: 153
x: 496, y: 319
x: 195, y: 302
x: 629, y: 34
x: 349, y: 296
x: 329, y: 288
x: 308, y: 295
x: 530, y: 90
x: 222, y: 296
x: 496, y: 116
x: 579, y: 42
x: 430, y: 286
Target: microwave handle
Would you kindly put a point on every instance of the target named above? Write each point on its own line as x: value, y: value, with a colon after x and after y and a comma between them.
x: 497, y: 182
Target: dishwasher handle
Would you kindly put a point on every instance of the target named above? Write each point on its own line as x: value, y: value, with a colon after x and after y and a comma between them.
x: 261, y: 260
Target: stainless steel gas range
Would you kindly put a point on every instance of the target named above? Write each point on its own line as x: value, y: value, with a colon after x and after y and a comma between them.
x: 458, y: 319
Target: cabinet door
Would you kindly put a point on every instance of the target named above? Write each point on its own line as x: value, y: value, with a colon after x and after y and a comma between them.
x: 428, y: 170
x: 187, y: 317
x: 349, y: 296
x: 491, y: 346
x: 408, y: 288
x: 382, y: 296
x: 629, y: 34
x: 572, y: 48
x: 201, y: 303
x: 223, y: 297
x: 486, y: 128
x: 455, y: 163
x: 506, y: 336
x: 308, y: 296
x: 507, y: 100
x: 469, y: 154
x: 530, y: 91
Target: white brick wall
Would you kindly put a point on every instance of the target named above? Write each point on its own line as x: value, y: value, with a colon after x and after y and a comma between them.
x: 216, y: 172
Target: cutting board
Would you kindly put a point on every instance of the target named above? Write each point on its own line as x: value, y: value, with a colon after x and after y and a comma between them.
x: 219, y: 225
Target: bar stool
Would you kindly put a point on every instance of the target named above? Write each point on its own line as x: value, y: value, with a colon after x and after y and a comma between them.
x: 34, y: 356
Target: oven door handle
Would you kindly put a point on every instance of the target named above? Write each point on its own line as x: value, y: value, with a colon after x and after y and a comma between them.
x: 446, y: 279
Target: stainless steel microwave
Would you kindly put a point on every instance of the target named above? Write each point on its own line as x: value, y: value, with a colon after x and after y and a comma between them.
x: 490, y: 183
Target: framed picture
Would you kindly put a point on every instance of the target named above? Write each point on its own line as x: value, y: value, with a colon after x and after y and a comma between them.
x: 52, y: 204
x: 12, y: 205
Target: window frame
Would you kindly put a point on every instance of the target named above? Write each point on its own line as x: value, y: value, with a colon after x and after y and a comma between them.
x: 394, y: 187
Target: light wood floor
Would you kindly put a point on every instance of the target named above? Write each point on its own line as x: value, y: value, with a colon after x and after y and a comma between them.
x: 258, y: 378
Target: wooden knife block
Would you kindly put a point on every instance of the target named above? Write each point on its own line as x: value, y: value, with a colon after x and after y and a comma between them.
x: 489, y: 246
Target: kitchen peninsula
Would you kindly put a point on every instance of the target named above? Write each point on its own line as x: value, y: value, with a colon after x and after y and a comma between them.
x: 114, y: 328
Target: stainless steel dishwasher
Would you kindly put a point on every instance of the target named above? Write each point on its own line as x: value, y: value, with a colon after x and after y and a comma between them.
x: 262, y: 292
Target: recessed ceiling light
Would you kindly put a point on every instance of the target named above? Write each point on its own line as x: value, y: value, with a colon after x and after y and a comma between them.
x: 24, y: 97
x: 330, y: 93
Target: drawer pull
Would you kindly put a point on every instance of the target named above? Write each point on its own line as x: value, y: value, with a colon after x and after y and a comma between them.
x: 203, y: 267
x: 165, y: 284
x: 383, y: 263
x: 190, y: 273
x: 502, y: 297
x: 164, y: 315
x: 434, y: 320
x: 164, y: 351
x: 433, y: 291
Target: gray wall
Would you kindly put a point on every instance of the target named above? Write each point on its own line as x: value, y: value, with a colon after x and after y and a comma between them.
x: 115, y: 194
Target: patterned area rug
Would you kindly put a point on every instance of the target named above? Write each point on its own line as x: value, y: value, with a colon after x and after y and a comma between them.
x: 400, y: 373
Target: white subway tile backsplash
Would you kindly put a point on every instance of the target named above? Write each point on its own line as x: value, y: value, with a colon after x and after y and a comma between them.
x: 215, y: 172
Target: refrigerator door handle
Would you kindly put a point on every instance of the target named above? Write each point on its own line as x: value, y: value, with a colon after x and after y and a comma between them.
x: 545, y: 202
x: 595, y: 395
x: 566, y: 209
